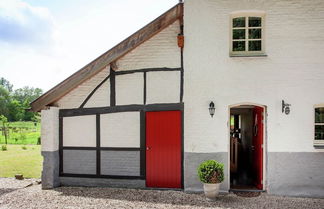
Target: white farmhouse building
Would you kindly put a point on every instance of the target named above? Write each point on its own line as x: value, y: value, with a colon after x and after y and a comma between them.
x: 141, y: 114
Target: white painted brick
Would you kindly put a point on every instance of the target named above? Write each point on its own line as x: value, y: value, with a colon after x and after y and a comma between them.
x: 293, y: 71
x: 159, y: 51
x: 163, y: 87
x: 120, y: 129
x: 75, y: 97
x: 101, y: 98
x: 79, y: 131
x: 130, y: 89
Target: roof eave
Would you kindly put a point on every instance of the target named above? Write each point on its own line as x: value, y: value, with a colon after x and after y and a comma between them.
x: 108, y: 57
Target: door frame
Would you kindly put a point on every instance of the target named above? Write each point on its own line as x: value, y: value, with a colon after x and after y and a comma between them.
x: 265, y: 136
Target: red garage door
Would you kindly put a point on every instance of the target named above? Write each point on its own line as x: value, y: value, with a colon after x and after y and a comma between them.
x: 163, y: 149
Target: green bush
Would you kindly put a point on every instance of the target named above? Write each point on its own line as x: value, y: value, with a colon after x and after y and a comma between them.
x: 4, y: 147
x: 24, y: 147
x: 211, y: 171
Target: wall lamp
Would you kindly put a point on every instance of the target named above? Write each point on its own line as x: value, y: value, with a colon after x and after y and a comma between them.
x: 211, y: 108
x: 285, y: 107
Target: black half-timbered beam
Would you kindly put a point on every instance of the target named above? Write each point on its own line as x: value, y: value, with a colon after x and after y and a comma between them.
x: 93, y: 91
x: 146, y: 70
x: 98, y: 153
x: 121, y: 108
x: 144, y: 88
x: 112, y: 87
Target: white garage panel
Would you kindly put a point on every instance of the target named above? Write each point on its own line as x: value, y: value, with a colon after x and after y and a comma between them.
x: 163, y: 87
x: 120, y: 129
x: 79, y: 131
x: 129, y: 89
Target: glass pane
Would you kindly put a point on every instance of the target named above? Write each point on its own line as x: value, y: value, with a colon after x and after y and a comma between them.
x: 238, y: 22
x: 238, y: 46
x: 254, y: 33
x: 254, y: 45
x: 319, y: 132
x: 319, y: 115
x: 239, y: 34
x: 254, y: 21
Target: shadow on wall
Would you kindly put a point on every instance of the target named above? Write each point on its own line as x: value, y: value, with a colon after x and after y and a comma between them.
x: 150, y: 196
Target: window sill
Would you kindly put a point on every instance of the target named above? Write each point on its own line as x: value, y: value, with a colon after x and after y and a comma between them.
x: 248, y: 55
x: 319, y: 145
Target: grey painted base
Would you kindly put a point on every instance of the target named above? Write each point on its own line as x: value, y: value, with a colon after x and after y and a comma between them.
x: 50, y: 172
x: 101, y: 182
x: 296, y: 174
x: 191, y: 163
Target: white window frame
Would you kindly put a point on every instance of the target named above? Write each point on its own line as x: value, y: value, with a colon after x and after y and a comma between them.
x: 317, y: 143
x: 248, y: 14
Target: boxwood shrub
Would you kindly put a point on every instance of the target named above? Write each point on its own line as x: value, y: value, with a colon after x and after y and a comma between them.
x: 211, y: 171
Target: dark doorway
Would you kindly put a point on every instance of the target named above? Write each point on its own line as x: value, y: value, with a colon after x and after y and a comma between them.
x: 246, y: 147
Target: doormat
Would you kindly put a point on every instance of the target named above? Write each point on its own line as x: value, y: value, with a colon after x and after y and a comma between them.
x: 247, y: 194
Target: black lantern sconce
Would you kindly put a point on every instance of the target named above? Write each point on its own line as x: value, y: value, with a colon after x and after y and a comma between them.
x: 285, y: 107
x: 211, y: 108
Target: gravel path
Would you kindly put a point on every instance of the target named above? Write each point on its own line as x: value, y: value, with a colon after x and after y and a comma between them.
x: 15, y: 194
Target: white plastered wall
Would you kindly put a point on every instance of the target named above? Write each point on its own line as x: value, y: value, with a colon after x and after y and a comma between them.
x: 50, y: 129
x: 159, y: 51
x: 79, y: 131
x: 292, y: 70
x: 120, y: 129
x: 76, y: 97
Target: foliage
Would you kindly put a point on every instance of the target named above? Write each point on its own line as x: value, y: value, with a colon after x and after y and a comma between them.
x: 14, y: 104
x: 6, y: 84
x: 23, y: 147
x: 5, y: 129
x: 27, y: 162
x: 4, y: 147
x: 4, y: 101
x: 211, y: 171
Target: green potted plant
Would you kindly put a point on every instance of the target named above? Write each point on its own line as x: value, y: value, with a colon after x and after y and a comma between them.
x: 211, y: 174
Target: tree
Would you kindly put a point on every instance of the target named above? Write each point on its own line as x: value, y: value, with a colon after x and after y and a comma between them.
x: 4, y: 101
x: 5, y: 127
x: 27, y: 94
x: 14, y: 105
x: 16, y: 111
x: 6, y: 84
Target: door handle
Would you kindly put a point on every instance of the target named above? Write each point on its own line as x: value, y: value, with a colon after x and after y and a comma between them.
x: 148, y: 148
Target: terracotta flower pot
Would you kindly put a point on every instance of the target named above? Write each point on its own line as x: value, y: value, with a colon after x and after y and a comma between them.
x: 211, y: 190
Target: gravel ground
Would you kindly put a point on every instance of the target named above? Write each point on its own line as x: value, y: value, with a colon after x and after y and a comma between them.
x: 15, y: 194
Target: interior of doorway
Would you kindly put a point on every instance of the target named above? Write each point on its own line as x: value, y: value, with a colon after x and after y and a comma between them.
x: 246, y: 147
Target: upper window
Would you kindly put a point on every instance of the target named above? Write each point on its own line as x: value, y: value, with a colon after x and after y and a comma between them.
x: 247, y: 34
x: 319, y: 126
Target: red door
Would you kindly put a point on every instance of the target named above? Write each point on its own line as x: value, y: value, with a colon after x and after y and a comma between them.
x: 258, y: 146
x: 163, y: 149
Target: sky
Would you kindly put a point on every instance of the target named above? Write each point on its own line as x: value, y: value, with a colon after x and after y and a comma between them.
x: 42, y: 42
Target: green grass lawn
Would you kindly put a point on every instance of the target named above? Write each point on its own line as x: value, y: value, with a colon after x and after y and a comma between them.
x: 19, y: 161
x: 22, y: 132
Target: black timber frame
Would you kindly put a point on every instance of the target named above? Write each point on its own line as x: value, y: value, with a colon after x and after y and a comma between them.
x: 112, y: 78
x: 142, y: 109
